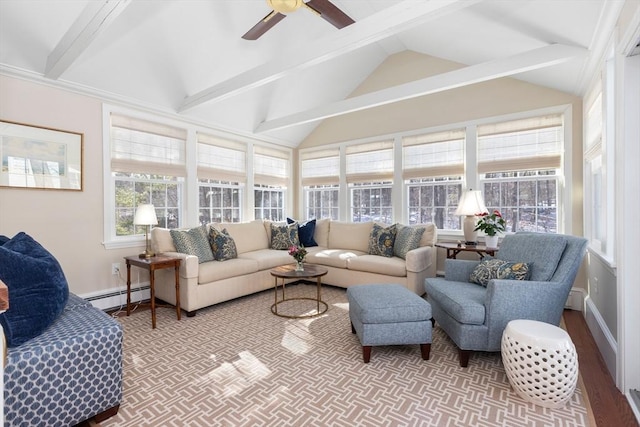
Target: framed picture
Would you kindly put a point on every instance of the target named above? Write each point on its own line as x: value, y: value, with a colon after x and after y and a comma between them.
x: 39, y: 157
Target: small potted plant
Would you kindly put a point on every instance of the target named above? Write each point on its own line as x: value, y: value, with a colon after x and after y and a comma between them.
x: 491, y: 224
x: 298, y: 253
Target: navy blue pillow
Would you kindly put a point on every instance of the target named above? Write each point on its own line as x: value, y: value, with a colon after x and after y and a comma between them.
x: 38, y: 289
x: 305, y: 232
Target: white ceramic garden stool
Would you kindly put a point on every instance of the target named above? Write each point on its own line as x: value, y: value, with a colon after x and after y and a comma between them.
x: 540, y: 361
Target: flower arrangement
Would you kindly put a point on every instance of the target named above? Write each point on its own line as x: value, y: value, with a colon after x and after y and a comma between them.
x: 298, y: 252
x: 491, y: 223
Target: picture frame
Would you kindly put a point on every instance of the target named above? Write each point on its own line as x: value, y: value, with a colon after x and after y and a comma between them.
x: 38, y: 157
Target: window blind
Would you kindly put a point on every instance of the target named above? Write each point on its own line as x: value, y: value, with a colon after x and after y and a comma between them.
x: 270, y: 166
x: 147, y: 147
x: 320, y: 167
x: 221, y: 159
x: 433, y: 155
x: 370, y: 162
x: 528, y: 144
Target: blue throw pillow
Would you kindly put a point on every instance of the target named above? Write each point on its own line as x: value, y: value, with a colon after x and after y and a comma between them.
x: 38, y: 289
x: 381, y: 240
x: 305, y: 232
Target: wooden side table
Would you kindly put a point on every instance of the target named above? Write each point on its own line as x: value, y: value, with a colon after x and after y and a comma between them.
x: 152, y: 264
x: 453, y: 249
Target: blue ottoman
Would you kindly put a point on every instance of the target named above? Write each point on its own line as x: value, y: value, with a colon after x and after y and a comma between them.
x: 389, y: 315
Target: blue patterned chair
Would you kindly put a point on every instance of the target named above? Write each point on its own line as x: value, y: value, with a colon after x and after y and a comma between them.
x: 69, y: 373
x: 475, y: 316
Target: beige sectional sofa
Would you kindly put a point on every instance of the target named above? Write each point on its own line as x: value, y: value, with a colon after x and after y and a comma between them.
x: 342, y: 249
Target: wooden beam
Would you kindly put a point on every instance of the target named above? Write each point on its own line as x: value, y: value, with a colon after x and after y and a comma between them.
x: 95, y: 18
x: 527, y: 61
x: 394, y: 19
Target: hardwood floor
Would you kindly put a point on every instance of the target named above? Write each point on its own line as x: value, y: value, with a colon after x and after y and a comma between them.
x: 609, y: 405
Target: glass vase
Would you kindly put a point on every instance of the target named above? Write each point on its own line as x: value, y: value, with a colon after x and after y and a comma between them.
x: 299, y: 266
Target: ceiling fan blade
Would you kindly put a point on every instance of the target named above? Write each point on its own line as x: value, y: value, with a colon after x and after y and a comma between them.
x: 330, y: 13
x: 264, y: 25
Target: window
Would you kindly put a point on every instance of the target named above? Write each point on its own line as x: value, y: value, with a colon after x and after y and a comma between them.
x: 369, y: 175
x: 147, y: 166
x: 222, y: 171
x: 520, y: 166
x: 320, y: 172
x: 433, y: 166
x: 271, y: 177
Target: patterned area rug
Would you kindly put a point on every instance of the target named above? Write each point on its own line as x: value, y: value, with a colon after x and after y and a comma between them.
x: 236, y: 364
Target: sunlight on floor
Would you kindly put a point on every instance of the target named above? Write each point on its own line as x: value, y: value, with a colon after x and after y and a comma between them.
x: 297, y: 338
x: 233, y: 377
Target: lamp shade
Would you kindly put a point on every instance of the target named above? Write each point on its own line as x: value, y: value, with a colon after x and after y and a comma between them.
x: 471, y: 203
x: 145, y: 215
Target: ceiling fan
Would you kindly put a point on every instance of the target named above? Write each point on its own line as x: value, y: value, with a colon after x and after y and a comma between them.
x: 324, y: 8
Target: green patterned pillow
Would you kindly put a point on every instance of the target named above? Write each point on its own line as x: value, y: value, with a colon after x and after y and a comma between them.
x: 222, y: 244
x: 486, y: 271
x: 514, y: 271
x: 381, y: 240
x: 193, y: 242
x: 284, y: 236
x: 407, y: 239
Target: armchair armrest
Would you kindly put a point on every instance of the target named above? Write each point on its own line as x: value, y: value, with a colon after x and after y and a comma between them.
x: 459, y: 270
x: 508, y: 300
x: 420, y: 259
x: 189, y: 266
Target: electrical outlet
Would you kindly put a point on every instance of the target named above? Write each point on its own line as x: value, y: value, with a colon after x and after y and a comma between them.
x: 115, y: 268
x: 595, y: 286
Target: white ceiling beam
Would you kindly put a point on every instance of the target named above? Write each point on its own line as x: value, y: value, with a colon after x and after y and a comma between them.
x: 520, y: 63
x: 95, y: 18
x: 383, y: 24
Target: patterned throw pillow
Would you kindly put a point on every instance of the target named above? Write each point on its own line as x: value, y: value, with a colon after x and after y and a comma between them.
x: 284, y: 236
x: 514, y: 271
x: 499, y: 269
x: 222, y: 244
x: 193, y: 242
x: 407, y: 239
x: 381, y: 240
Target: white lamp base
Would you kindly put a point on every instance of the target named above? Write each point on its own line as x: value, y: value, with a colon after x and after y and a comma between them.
x: 470, y: 236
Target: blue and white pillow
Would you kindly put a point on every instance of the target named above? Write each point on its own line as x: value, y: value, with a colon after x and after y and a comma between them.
x: 407, y: 239
x: 193, y: 242
x: 284, y: 236
x: 381, y: 240
x: 222, y: 244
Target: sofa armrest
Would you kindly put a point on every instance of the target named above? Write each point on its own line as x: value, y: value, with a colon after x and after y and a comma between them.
x: 189, y: 267
x: 420, y: 259
x: 459, y: 270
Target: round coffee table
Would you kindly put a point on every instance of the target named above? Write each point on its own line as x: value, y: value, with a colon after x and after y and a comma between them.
x: 287, y: 272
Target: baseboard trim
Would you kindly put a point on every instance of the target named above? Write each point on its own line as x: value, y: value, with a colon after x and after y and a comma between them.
x: 115, y: 298
x: 604, y: 339
x: 576, y: 298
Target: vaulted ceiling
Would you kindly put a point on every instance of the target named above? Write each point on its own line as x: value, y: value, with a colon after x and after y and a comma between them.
x: 188, y: 57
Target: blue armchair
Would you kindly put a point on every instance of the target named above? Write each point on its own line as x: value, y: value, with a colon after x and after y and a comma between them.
x: 474, y: 316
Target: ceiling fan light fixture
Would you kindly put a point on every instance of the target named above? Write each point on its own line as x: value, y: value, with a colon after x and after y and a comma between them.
x: 285, y: 6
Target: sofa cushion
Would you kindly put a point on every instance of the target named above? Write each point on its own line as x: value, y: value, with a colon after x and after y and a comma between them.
x: 284, y: 236
x: 268, y: 258
x: 248, y: 236
x: 485, y: 271
x: 332, y: 257
x: 193, y: 242
x: 321, y: 235
x: 38, y: 289
x: 305, y: 232
x: 430, y: 235
x: 527, y: 248
x: 380, y: 265
x: 514, y: 271
x: 220, y: 270
x: 162, y: 241
x: 381, y: 240
x: 463, y: 301
x: 222, y: 244
x: 350, y: 235
x: 407, y: 239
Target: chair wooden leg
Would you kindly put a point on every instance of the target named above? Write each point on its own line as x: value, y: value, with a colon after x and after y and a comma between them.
x: 353, y: 330
x: 433, y: 322
x: 366, y: 353
x: 425, y: 349
x: 464, y: 357
x: 106, y: 414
